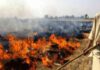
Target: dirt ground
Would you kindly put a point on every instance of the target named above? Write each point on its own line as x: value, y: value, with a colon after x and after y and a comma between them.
x: 82, y: 63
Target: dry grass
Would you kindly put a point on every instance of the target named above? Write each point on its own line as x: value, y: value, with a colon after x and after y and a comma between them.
x: 82, y: 63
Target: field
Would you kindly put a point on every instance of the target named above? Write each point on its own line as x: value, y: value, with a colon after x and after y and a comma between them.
x: 82, y: 63
x: 63, y: 47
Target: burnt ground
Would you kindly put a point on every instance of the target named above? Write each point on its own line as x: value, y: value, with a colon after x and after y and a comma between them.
x: 82, y: 63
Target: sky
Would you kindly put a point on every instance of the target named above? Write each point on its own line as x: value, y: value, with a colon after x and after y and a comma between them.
x: 39, y: 8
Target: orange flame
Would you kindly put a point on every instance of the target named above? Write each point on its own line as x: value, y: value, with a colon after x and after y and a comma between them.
x: 46, y: 61
x: 26, y: 48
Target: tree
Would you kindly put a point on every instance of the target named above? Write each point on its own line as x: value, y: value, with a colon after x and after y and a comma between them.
x: 86, y: 16
x: 46, y: 16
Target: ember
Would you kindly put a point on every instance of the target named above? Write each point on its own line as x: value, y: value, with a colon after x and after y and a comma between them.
x: 23, y: 54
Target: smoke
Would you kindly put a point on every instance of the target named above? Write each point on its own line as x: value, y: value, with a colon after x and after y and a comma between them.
x: 26, y: 26
x: 16, y: 8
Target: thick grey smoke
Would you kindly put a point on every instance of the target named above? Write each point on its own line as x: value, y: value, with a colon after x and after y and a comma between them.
x: 26, y: 26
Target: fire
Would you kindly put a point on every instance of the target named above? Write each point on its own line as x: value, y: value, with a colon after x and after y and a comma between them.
x: 63, y: 43
x: 46, y: 61
x: 53, y: 49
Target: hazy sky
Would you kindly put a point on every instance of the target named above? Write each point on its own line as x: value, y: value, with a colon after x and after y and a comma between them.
x: 38, y: 8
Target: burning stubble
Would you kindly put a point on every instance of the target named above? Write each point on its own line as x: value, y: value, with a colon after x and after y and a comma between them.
x: 23, y: 54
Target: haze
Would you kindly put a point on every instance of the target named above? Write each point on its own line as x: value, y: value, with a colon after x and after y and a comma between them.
x: 39, y: 8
